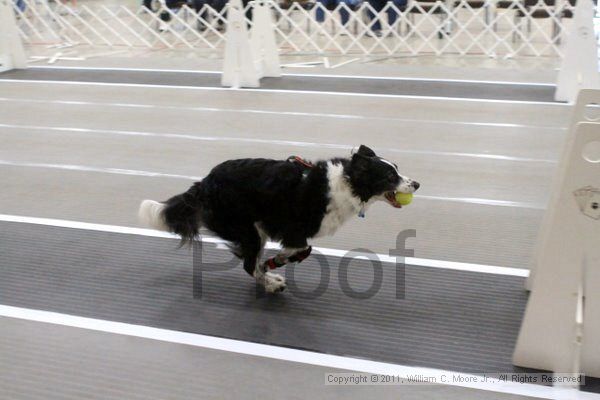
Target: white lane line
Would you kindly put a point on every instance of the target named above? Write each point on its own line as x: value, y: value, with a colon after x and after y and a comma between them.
x: 287, y: 143
x: 421, y: 262
x: 134, y: 172
x: 393, y: 78
x: 488, y: 202
x: 283, y: 91
x: 287, y: 113
x: 292, y: 355
x: 83, y: 168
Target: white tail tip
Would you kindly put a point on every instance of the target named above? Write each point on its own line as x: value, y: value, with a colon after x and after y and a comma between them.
x: 150, y: 214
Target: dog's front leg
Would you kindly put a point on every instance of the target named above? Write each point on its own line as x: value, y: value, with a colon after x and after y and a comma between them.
x: 286, y: 256
x: 273, y: 283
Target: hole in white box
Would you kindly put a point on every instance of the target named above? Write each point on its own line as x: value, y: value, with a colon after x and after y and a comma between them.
x: 592, y: 112
x: 591, y: 152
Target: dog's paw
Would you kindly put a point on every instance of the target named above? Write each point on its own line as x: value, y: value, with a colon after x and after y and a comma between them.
x: 273, y: 283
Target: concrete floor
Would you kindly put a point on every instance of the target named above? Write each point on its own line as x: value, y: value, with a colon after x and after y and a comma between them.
x: 436, y: 146
x: 519, y: 69
x: 107, y: 366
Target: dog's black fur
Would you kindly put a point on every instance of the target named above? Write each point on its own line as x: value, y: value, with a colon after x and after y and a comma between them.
x: 288, y: 199
x: 238, y: 193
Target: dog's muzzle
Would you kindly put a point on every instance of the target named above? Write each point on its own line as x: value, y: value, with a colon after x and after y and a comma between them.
x: 407, y: 186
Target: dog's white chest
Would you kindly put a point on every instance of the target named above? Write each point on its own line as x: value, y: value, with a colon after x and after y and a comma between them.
x: 342, y: 202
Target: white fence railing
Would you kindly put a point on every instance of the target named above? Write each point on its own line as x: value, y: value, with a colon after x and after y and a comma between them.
x: 487, y: 27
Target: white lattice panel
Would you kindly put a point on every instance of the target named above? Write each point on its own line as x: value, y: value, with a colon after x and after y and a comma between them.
x: 449, y: 27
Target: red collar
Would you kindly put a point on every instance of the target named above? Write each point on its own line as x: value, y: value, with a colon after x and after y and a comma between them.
x: 301, y: 161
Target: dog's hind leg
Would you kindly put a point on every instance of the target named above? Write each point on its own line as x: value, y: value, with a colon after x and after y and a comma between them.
x: 252, y: 246
x: 249, y: 248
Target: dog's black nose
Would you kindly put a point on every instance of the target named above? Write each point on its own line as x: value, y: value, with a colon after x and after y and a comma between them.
x: 415, y: 185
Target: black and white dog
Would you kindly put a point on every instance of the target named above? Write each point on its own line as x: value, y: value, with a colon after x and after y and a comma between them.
x: 290, y: 201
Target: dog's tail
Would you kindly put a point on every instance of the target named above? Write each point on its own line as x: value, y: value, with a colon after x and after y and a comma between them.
x: 180, y: 214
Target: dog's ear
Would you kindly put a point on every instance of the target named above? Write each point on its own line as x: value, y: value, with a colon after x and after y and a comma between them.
x: 365, y: 151
x: 360, y: 162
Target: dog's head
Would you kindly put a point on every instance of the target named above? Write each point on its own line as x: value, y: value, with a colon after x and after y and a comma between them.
x: 375, y: 178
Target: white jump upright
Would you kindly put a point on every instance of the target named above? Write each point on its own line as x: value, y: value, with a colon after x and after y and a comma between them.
x: 579, y: 68
x: 247, y: 60
x: 586, y: 96
x: 262, y: 40
x: 239, y: 69
x: 561, y: 328
x: 12, y: 54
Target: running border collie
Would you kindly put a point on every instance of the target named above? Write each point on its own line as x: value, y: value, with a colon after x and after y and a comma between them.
x: 247, y: 201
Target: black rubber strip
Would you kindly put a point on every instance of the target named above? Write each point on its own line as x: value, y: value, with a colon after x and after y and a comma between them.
x: 448, y: 319
x: 452, y: 320
x: 454, y: 89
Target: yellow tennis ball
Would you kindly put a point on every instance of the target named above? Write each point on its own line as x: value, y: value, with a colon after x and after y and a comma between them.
x: 404, y: 198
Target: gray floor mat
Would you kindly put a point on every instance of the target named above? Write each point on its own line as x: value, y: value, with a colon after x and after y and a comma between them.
x: 448, y: 319
x: 477, y: 90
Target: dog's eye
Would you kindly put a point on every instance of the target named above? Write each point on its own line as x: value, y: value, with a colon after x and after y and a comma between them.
x: 392, y: 176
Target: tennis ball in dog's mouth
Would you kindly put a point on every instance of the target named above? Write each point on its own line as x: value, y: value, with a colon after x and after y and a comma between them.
x: 404, y: 198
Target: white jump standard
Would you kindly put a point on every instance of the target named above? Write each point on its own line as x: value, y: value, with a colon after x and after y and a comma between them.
x: 561, y: 329
x: 579, y: 68
x: 247, y: 60
x: 12, y: 54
